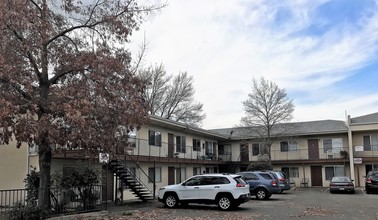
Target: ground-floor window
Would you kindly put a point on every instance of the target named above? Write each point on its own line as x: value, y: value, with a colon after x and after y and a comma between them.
x: 291, y: 172
x: 331, y: 171
x: 154, y: 173
x: 196, y: 170
x: 371, y: 167
x: 180, y: 174
x: 211, y: 170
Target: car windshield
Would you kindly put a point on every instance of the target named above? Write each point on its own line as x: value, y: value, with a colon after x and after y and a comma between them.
x: 340, y: 179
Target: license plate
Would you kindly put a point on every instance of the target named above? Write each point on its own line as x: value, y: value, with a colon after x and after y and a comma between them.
x: 341, y: 188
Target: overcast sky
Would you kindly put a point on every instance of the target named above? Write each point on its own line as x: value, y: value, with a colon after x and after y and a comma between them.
x: 324, y: 53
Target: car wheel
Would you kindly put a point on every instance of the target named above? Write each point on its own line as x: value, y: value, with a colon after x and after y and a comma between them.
x: 261, y: 194
x: 225, y: 202
x: 368, y: 191
x: 171, y: 200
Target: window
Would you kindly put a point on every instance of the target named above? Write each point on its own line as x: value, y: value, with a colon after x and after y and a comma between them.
x: 255, y: 149
x: 154, y: 174
x: 196, y: 171
x: 250, y: 176
x: 180, y: 174
x: 221, y: 149
x: 291, y: 172
x: 334, y: 171
x: 180, y: 144
x: 209, y: 150
x: 334, y: 145
x: 211, y: 170
x: 132, y: 137
x: 370, y: 142
x: 196, y: 145
x: 288, y: 146
x: 154, y: 138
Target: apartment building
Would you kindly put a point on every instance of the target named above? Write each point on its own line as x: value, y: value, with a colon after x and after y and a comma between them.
x: 167, y: 152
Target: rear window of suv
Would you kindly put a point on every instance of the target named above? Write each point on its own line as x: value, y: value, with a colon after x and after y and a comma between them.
x: 266, y: 176
x: 240, y: 180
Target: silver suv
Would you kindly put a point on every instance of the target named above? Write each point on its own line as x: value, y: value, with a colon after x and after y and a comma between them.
x: 226, y: 191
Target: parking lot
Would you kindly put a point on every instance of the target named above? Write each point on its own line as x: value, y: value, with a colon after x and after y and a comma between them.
x: 301, y: 203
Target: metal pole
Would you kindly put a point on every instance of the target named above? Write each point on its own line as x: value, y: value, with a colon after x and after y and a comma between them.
x: 154, y: 189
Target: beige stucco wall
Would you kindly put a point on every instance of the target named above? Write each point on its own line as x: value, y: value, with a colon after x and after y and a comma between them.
x: 13, y: 166
x: 143, y: 147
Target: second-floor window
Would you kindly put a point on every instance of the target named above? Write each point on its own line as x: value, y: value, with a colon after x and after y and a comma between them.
x: 288, y: 146
x: 196, y: 145
x: 255, y: 149
x: 180, y: 144
x: 334, y: 145
x: 370, y: 142
x: 154, y: 138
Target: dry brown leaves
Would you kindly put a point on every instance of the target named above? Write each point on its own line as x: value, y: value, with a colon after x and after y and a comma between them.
x: 316, y: 211
x: 157, y: 214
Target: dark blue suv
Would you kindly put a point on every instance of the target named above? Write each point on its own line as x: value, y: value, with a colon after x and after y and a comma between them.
x: 261, y: 184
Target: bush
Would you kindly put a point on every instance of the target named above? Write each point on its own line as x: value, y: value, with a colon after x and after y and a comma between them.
x: 260, y: 166
x: 27, y: 212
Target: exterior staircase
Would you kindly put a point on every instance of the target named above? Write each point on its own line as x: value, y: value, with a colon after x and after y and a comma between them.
x: 129, y: 179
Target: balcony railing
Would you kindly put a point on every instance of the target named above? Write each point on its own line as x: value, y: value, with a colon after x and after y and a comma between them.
x: 305, y: 154
x: 365, y: 151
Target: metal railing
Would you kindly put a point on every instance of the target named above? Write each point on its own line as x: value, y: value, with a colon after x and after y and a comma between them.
x: 15, y: 204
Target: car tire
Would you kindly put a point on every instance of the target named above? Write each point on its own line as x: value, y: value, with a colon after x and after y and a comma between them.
x: 368, y: 191
x: 261, y: 194
x: 225, y: 202
x: 171, y: 200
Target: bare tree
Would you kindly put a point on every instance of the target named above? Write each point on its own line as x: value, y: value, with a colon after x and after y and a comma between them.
x: 266, y: 108
x: 171, y: 97
x: 65, y: 77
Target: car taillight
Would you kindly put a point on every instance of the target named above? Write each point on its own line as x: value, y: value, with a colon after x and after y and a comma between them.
x: 368, y: 180
x: 240, y: 185
x: 281, y: 179
x: 274, y: 183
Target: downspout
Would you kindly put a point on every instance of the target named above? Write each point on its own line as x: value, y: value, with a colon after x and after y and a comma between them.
x: 351, y: 153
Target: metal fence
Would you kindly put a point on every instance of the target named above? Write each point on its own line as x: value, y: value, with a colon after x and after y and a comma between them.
x: 15, y: 204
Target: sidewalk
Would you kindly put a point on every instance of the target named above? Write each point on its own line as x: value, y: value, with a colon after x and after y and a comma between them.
x: 124, y: 209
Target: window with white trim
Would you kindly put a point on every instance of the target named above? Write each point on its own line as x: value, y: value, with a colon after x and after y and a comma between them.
x: 333, y: 145
x: 291, y: 172
x: 181, y: 144
x: 154, y: 138
x: 331, y: 171
x: 154, y: 174
x: 196, y: 144
x: 255, y: 149
x: 288, y: 146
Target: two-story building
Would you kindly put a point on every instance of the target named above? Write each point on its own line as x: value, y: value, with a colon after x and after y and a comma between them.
x: 167, y: 152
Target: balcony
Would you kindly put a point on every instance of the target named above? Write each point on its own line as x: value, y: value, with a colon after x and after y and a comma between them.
x: 369, y: 151
x: 141, y: 150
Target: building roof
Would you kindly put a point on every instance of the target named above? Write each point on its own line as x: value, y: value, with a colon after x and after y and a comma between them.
x: 366, y: 119
x: 288, y: 129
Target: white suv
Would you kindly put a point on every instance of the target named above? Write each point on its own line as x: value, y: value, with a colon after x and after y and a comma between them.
x: 226, y: 191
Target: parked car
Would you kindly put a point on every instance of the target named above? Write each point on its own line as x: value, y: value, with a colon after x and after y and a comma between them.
x: 371, y: 181
x: 283, y: 181
x: 261, y: 184
x: 341, y: 184
x: 226, y: 191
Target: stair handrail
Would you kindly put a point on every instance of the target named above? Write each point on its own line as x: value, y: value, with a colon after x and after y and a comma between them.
x: 141, y: 182
x: 134, y: 175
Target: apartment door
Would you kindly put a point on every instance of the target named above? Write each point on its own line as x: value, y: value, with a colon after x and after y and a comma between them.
x: 313, y: 148
x: 171, y: 145
x: 316, y: 176
x: 171, y: 175
x: 244, y: 155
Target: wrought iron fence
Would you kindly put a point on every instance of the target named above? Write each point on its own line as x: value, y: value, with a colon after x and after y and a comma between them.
x: 15, y: 204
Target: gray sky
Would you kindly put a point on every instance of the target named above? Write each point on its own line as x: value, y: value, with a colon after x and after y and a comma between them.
x: 323, y: 52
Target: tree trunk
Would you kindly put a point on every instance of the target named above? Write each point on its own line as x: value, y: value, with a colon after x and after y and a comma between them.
x: 44, y: 182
